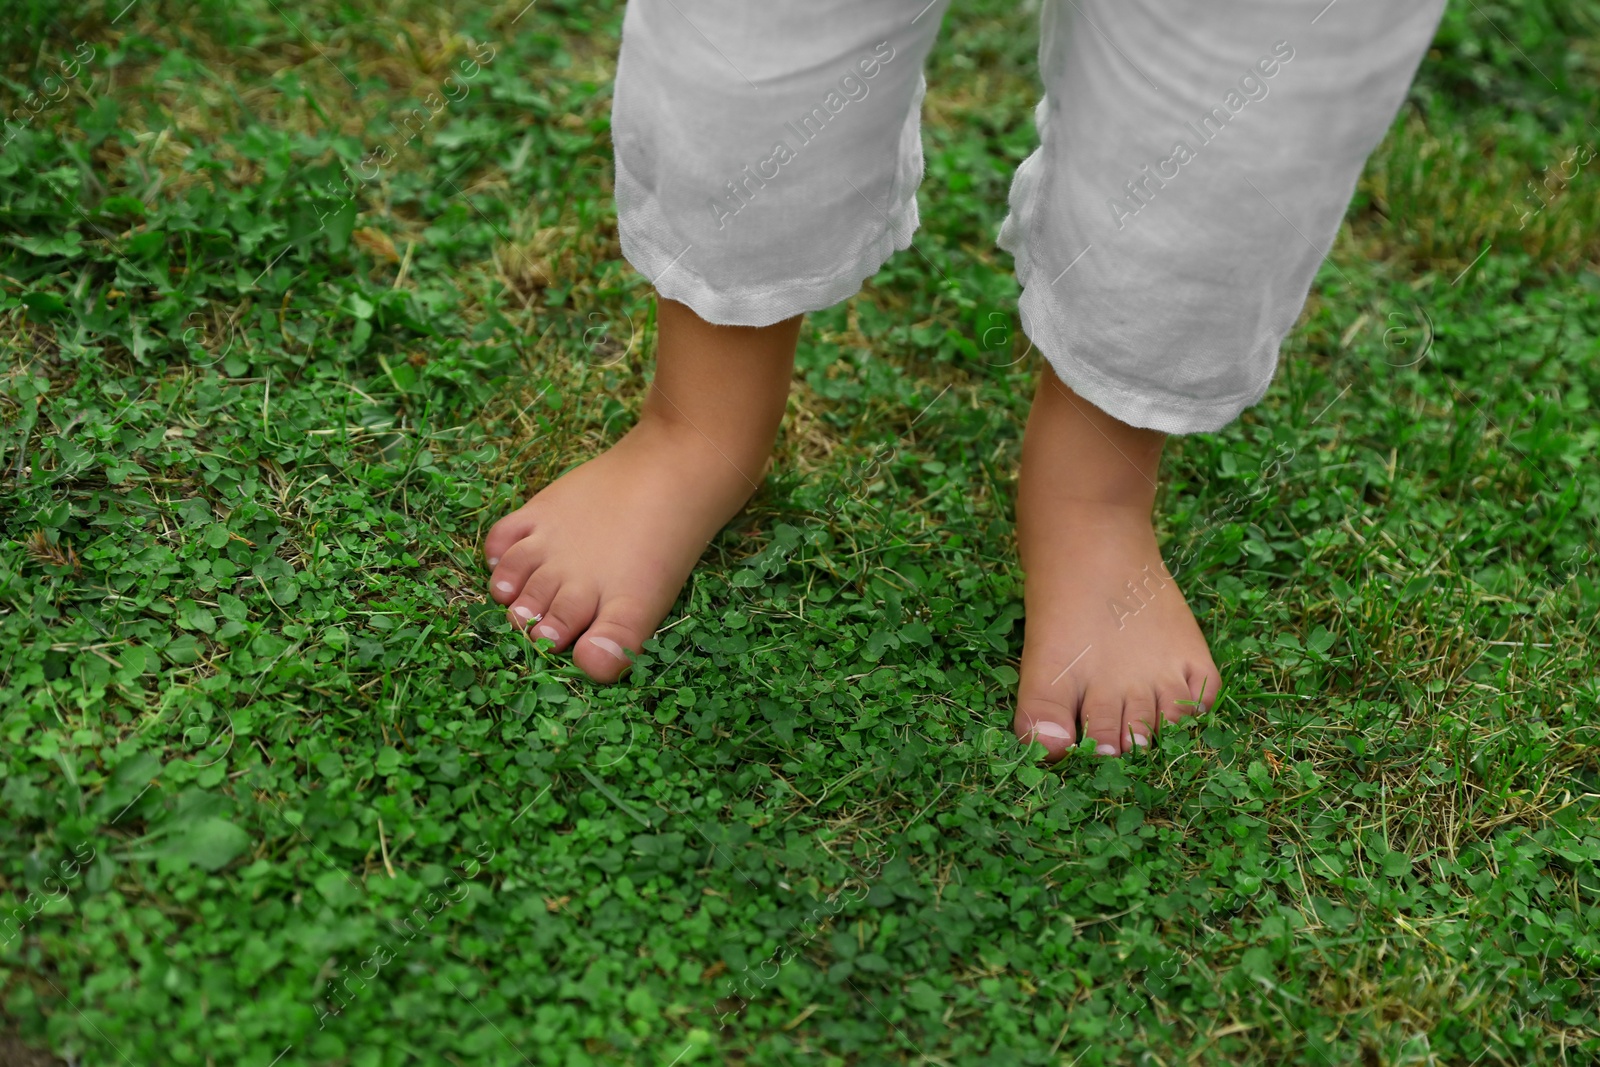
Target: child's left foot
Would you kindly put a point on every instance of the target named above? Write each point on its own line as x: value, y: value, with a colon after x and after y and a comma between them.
x: 1111, y: 649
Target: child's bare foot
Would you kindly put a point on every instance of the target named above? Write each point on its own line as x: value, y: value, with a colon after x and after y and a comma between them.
x: 1111, y: 647
x: 594, y: 561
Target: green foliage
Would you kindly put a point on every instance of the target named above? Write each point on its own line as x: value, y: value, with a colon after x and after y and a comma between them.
x: 280, y: 786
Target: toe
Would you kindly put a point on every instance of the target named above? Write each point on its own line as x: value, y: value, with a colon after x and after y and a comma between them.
x: 605, y: 650
x: 570, y: 612
x: 538, y: 593
x: 1204, y: 686
x: 516, y: 564
x: 505, y: 533
x: 1139, y: 720
x: 1168, y: 695
x: 524, y: 614
x: 1048, y: 701
x: 1102, y: 720
x: 1047, y: 722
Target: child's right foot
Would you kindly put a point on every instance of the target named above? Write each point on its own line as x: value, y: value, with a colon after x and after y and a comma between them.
x: 596, y: 558
x: 594, y: 561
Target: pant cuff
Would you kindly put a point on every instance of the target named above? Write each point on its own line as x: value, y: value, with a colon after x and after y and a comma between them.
x: 1135, y: 403
x: 640, y: 219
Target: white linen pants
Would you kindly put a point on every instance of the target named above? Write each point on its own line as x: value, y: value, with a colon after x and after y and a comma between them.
x: 1196, y: 158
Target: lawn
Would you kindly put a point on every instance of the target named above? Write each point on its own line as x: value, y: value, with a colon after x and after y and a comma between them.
x: 299, y: 298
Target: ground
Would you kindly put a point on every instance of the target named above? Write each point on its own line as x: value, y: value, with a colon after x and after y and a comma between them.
x: 279, y: 780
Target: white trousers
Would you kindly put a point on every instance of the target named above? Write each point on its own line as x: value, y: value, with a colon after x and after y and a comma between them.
x: 1195, y: 161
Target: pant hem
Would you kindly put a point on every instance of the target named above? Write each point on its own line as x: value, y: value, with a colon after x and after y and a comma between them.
x: 1136, y: 405
x: 745, y: 306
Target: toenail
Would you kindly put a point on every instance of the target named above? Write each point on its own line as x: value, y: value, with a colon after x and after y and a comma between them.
x: 494, y: 561
x: 547, y: 632
x: 605, y: 644
x: 1139, y: 739
x: 504, y: 587
x: 1053, y: 730
x: 524, y: 612
x: 1103, y: 749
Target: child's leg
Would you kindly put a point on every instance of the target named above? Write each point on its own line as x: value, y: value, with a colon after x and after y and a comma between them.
x: 1196, y: 160
x: 767, y: 162
x: 1110, y: 644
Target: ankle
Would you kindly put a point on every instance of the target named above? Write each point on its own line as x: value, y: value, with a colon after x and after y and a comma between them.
x: 1075, y: 454
x: 744, y: 445
x: 721, y: 386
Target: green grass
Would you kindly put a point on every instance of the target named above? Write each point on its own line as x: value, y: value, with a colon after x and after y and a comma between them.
x: 256, y: 711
